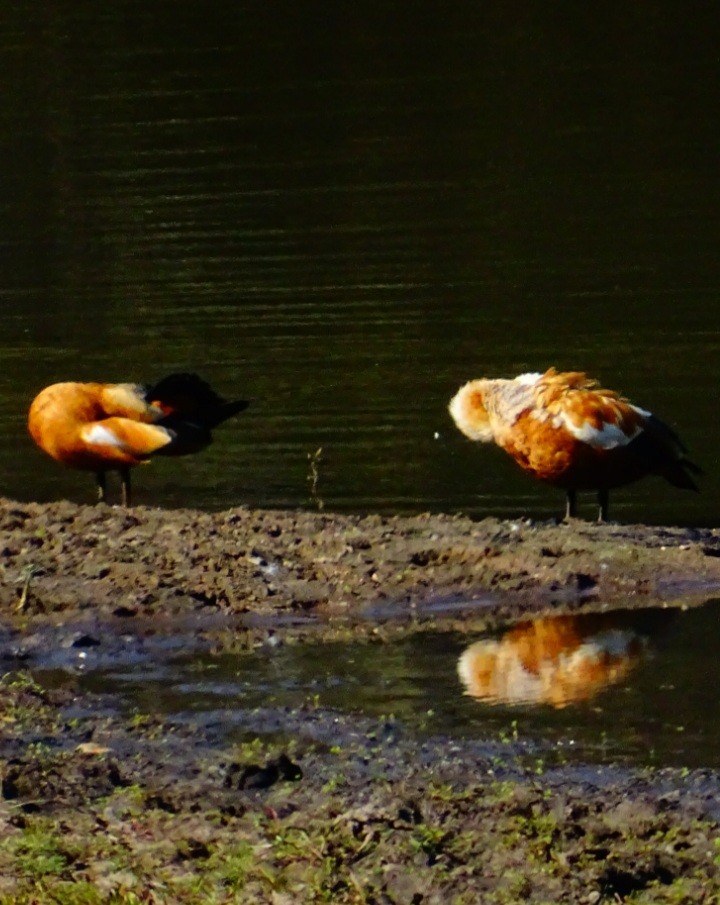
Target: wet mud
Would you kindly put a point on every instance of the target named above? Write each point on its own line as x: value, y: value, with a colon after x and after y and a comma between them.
x: 308, y: 805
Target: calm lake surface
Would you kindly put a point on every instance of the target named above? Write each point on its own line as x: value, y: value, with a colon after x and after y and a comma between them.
x: 343, y: 219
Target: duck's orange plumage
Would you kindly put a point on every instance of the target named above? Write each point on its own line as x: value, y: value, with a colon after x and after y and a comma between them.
x: 104, y: 427
x: 569, y: 432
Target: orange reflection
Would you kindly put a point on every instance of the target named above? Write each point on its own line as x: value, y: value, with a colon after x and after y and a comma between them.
x: 558, y: 660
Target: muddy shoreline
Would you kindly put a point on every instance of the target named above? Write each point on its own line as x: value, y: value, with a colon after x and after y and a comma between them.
x: 310, y: 805
x: 63, y: 558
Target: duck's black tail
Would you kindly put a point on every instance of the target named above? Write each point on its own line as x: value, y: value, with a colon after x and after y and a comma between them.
x: 679, y: 476
x: 187, y: 396
x: 665, y: 454
x: 191, y: 410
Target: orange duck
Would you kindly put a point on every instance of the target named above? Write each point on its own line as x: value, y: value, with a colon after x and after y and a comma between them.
x: 565, y: 430
x: 105, y: 427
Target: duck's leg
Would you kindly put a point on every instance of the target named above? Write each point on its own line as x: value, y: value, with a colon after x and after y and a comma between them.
x: 125, y: 482
x: 571, y: 508
x: 101, y: 486
x: 604, y: 501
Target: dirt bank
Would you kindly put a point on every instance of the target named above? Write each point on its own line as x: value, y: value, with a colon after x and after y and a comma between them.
x: 98, y: 806
x: 63, y: 558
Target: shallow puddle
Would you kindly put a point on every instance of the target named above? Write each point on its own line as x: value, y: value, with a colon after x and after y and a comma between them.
x: 637, y: 686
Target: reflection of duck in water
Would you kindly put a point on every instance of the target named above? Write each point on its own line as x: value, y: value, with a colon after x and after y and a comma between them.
x: 559, y: 659
x: 567, y: 431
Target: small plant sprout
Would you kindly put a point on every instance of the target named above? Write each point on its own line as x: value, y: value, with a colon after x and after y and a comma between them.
x: 314, y: 477
x: 25, y: 579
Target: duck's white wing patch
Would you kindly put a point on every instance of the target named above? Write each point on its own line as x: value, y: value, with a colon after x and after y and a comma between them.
x: 99, y: 435
x: 529, y: 379
x: 609, y: 436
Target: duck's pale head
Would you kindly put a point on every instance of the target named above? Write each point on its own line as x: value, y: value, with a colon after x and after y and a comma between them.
x: 468, y: 411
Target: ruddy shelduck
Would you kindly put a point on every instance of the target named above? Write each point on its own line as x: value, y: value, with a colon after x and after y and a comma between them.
x: 103, y: 427
x: 564, y: 429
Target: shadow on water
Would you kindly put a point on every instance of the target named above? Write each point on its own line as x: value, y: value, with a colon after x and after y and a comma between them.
x: 632, y: 686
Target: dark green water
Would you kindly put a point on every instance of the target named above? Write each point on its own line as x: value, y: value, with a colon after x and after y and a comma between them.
x: 343, y: 216
x: 658, y: 706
